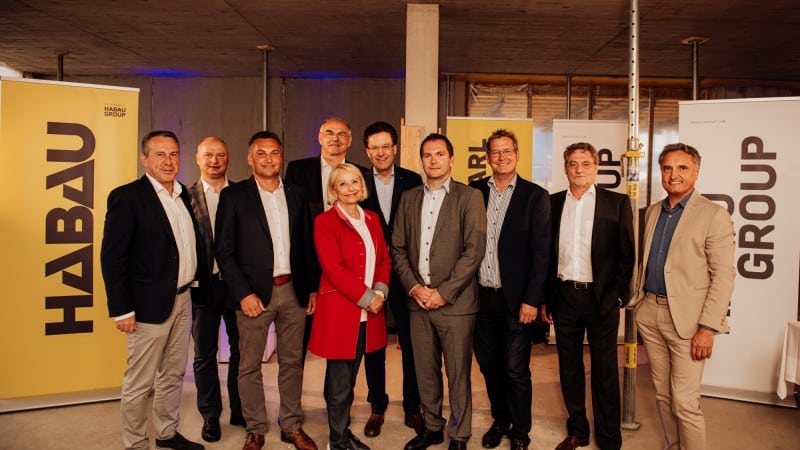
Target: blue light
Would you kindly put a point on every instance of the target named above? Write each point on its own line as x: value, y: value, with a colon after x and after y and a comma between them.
x: 167, y: 73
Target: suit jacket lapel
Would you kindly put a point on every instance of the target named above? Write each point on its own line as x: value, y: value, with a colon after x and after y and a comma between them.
x: 162, y: 215
x: 258, y: 207
x: 291, y: 205
x: 201, y: 213
x: 557, y: 206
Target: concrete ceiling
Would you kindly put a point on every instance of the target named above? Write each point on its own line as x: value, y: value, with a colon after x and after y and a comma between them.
x: 366, y: 38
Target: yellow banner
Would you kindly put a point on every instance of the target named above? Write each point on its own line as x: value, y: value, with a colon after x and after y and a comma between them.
x: 469, y: 134
x: 65, y: 146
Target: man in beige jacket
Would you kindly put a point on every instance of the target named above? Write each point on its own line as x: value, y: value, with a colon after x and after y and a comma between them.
x: 684, y: 291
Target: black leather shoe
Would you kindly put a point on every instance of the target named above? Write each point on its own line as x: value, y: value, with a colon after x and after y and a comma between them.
x: 425, y: 440
x: 518, y: 445
x: 495, y: 434
x: 373, y: 426
x: 211, y: 431
x: 178, y: 442
x: 238, y: 421
x: 572, y: 442
x: 352, y: 444
x: 457, y: 445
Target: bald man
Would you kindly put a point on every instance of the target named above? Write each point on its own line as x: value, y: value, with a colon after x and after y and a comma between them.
x: 212, y: 159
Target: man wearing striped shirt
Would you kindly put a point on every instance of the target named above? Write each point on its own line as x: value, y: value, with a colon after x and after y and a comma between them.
x: 512, y: 279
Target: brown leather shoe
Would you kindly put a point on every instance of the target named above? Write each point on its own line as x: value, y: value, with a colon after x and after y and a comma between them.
x: 373, y: 425
x: 572, y: 442
x: 416, y: 421
x: 299, y: 438
x: 253, y: 441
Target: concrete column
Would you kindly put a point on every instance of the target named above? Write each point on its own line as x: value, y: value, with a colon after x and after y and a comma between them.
x: 422, y: 78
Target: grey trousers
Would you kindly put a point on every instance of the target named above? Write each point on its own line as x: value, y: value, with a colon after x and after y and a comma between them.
x: 290, y: 322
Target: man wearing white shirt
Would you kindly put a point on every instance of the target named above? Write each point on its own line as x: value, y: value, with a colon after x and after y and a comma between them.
x: 149, y: 260
x: 265, y: 251
x: 591, y: 264
x: 212, y: 159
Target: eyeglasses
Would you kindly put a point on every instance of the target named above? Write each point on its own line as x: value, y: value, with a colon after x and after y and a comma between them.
x: 386, y: 148
x: 496, y: 153
x: 330, y: 134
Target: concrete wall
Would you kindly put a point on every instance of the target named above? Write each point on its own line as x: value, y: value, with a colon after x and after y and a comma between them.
x: 231, y: 109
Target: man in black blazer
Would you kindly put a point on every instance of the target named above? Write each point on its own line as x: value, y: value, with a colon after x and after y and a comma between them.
x: 265, y: 251
x: 511, y: 289
x: 385, y: 183
x: 212, y: 159
x: 591, y: 266
x: 312, y: 174
x: 149, y: 258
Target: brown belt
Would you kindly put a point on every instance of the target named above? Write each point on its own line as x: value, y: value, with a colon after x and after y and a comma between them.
x: 660, y: 299
x: 283, y: 279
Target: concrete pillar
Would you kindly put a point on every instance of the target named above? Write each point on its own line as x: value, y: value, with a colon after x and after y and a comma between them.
x: 422, y: 79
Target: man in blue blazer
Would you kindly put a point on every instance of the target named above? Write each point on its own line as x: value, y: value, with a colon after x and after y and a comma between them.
x: 591, y: 266
x: 511, y: 289
x: 385, y: 183
x: 149, y: 258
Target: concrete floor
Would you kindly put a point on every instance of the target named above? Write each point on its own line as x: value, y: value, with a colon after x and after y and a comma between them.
x: 731, y: 424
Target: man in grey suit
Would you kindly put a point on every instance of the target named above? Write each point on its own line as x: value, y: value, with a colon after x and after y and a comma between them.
x: 437, y: 247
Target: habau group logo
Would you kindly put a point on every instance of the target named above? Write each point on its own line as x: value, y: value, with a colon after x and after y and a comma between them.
x: 114, y: 110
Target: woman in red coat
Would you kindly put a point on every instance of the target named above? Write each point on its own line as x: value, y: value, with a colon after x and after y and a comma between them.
x: 349, y: 319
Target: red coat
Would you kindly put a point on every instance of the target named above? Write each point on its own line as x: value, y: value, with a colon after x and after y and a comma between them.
x: 342, y: 256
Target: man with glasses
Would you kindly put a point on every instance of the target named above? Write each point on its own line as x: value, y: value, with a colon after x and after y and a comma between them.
x: 591, y: 264
x: 385, y: 183
x: 312, y: 175
x: 511, y: 289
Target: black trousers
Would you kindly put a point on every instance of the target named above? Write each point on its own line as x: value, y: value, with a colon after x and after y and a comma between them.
x: 340, y: 380
x: 577, y: 313
x: 375, y: 363
x: 205, y: 332
x: 503, y: 351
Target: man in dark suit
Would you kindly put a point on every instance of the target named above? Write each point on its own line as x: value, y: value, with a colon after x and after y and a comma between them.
x: 437, y: 246
x: 591, y: 266
x: 265, y: 251
x: 212, y: 159
x: 511, y: 289
x: 385, y: 183
x: 312, y: 174
x: 149, y: 258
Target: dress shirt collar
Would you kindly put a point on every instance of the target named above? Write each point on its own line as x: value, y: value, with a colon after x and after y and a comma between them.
x: 682, y: 204
x: 176, y: 187
x: 445, y: 185
x: 280, y: 187
x: 207, y: 186
x: 377, y: 175
x: 511, y: 184
x: 592, y: 191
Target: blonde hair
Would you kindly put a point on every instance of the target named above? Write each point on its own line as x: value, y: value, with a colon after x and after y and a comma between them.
x: 348, y: 169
